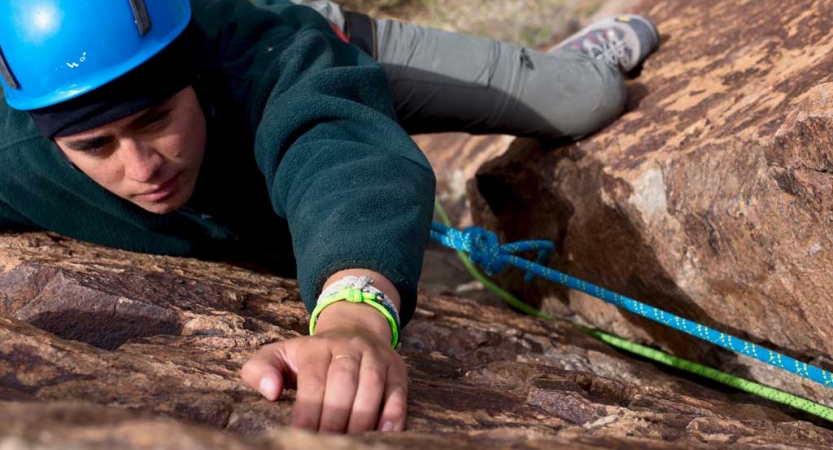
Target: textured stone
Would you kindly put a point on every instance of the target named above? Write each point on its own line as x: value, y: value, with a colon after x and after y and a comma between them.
x: 712, y: 197
x: 480, y: 376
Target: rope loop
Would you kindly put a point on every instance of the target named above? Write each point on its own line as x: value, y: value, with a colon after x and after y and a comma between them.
x: 485, y: 250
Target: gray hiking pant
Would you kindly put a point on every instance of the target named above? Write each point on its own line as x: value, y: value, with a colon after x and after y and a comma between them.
x: 444, y: 81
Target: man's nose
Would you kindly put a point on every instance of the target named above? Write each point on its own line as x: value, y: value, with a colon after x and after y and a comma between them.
x: 141, y: 162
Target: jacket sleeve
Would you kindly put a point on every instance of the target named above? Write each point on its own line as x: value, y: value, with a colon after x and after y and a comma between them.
x: 11, y: 220
x: 15, y: 132
x: 353, y: 186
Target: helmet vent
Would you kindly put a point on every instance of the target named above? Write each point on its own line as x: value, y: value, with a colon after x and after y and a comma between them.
x: 140, y: 14
x: 6, y: 73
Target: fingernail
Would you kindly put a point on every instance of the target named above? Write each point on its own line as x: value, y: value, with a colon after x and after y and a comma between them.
x: 387, y: 426
x: 268, y: 388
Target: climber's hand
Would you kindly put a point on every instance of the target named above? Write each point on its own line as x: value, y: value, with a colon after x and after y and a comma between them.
x: 347, y: 376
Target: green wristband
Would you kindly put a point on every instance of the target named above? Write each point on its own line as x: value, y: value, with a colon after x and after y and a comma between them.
x: 354, y: 295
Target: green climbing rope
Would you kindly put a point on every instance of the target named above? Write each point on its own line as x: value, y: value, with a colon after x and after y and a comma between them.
x: 648, y: 352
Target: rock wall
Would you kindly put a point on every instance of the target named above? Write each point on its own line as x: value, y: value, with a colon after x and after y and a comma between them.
x: 712, y: 197
x: 104, y: 349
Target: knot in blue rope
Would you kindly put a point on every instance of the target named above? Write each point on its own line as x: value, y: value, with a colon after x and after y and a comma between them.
x: 485, y: 250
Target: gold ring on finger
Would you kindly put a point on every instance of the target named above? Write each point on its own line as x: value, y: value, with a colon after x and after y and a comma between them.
x: 337, y: 357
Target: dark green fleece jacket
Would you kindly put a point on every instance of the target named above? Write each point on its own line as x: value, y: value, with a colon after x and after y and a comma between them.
x: 305, y: 164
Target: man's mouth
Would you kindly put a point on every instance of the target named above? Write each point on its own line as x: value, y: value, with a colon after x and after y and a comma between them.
x: 164, y: 191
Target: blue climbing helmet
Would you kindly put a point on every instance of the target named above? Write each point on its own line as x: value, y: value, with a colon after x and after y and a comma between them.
x: 55, y: 50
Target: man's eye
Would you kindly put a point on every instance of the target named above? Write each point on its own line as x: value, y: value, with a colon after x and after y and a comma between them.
x: 96, y: 150
x: 157, y: 119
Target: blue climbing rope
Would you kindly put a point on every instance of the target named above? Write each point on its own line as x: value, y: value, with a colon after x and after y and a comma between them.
x: 484, y: 249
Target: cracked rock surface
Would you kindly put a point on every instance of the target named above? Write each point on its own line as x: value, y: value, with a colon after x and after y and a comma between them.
x: 711, y: 198
x: 101, y: 348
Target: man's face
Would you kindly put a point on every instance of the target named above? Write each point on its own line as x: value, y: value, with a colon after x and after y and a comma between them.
x: 151, y: 158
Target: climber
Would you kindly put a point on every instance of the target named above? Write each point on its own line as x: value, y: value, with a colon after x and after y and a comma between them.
x: 226, y: 129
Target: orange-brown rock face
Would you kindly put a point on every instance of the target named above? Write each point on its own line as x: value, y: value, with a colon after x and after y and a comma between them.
x: 455, y: 158
x: 712, y: 197
x: 104, y: 349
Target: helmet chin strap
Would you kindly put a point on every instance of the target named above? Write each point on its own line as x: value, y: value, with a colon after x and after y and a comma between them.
x: 140, y: 13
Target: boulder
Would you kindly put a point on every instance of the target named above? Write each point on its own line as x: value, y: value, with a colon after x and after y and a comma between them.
x: 711, y: 198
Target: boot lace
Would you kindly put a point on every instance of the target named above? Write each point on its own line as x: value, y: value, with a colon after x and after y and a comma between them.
x: 610, y: 48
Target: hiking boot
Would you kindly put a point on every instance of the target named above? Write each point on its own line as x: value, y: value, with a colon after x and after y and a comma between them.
x: 623, y: 41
